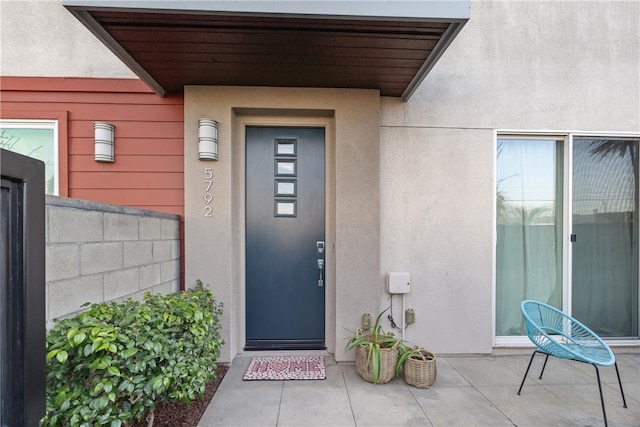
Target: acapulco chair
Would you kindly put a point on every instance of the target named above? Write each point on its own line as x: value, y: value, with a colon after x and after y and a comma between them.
x: 557, y: 334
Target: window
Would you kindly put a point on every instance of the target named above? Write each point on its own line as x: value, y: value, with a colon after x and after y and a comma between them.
x: 604, y: 217
x: 567, y: 230
x: 37, y: 139
x: 286, y: 166
x: 528, y: 227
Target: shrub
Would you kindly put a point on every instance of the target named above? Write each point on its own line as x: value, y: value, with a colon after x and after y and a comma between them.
x: 111, y: 364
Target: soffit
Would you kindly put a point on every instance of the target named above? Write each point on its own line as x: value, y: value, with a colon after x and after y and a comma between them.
x: 256, y: 46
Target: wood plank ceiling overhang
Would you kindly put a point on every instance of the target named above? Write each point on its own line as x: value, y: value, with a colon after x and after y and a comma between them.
x: 365, y: 45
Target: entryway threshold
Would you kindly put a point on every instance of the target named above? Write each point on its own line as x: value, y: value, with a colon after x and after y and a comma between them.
x: 267, y: 353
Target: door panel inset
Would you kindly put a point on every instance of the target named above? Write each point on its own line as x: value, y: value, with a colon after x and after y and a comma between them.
x: 285, y: 216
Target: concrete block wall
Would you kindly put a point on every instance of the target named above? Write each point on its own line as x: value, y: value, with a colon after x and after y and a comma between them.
x: 97, y: 252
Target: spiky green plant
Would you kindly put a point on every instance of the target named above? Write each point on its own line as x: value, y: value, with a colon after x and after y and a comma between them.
x: 405, y: 352
x: 374, y: 340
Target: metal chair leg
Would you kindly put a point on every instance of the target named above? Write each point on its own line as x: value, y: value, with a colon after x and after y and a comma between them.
x: 526, y: 372
x: 624, y: 401
x: 604, y: 412
x: 543, y: 366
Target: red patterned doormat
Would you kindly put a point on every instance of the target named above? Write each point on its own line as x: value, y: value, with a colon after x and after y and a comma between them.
x: 278, y: 368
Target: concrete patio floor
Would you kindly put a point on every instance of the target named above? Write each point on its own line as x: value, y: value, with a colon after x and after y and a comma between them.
x: 469, y: 391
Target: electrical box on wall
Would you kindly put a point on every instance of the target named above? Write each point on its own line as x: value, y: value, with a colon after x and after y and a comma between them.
x: 398, y: 282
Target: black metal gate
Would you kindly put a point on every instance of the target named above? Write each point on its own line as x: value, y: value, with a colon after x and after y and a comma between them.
x: 22, y: 291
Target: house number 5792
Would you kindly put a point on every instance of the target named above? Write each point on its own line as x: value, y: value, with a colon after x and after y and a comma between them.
x: 208, y: 198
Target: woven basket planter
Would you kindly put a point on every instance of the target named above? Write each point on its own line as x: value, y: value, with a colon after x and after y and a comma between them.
x: 388, y: 360
x: 422, y: 372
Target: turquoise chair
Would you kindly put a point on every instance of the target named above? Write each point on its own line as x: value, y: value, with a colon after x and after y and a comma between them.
x: 556, y: 334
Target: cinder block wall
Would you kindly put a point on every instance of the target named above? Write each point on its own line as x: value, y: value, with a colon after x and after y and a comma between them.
x: 98, y: 252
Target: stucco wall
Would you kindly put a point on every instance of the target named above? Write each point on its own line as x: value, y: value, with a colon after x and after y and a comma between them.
x: 551, y: 65
x: 41, y: 38
x: 97, y: 252
x: 561, y: 66
x: 439, y: 229
x: 413, y: 182
x: 215, y: 245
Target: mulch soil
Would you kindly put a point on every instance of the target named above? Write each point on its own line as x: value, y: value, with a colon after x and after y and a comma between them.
x: 177, y: 414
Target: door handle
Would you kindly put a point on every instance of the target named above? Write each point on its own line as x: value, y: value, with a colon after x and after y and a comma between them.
x: 320, y: 272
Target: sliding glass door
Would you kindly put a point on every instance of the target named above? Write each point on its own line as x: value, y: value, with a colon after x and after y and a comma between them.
x: 529, y: 228
x: 567, y: 231
x: 605, y: 235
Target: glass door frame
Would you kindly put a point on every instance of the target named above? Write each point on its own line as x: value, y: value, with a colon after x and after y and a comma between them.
x: 567, y: 287
x: 567, y: 226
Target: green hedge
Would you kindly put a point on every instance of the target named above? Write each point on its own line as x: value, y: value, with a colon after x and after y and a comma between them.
x: 111, y: 364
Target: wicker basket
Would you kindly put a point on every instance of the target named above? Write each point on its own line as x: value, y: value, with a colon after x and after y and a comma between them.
x: 388, y: 359
x: 420, y: 373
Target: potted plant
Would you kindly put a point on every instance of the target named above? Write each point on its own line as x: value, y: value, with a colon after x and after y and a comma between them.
x: 376, y: 353
x: 418, y: 366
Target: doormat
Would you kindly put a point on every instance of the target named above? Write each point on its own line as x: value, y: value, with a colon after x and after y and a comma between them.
x: 278, y: 368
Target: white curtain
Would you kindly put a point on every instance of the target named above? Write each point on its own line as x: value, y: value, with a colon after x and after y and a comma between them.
x: 605, y: 222
x: 529, y: 228
x: 604, y: 287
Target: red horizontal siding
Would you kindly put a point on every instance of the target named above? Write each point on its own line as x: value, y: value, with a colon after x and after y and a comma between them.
x: 95, y: 97
x: 125, y: 129
x: 148, y: 134
x: 133, y: 196
x: 114, y: 112
x: 130, y: 146
x: 147, y: 163
x: 132, y: 180
x: 74, y: 84
x: 148, y: 171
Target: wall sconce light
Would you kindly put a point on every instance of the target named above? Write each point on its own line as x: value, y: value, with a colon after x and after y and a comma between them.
x: 103, y: 142
x: 207, y: 139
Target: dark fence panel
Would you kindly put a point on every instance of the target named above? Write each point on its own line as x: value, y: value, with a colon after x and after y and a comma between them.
x: 22, y: 291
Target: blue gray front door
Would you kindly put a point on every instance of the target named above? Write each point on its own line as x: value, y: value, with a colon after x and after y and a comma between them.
x: 285, y: 252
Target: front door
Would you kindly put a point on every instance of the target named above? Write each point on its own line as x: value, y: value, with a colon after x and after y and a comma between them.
x: 285, y: 217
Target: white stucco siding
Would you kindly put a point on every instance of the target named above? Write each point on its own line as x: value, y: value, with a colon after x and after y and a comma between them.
x: 40, y: 38
x: 215, y: 246
x: 561, y: 66
x: 438, y: 227
x: 534, y: 65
